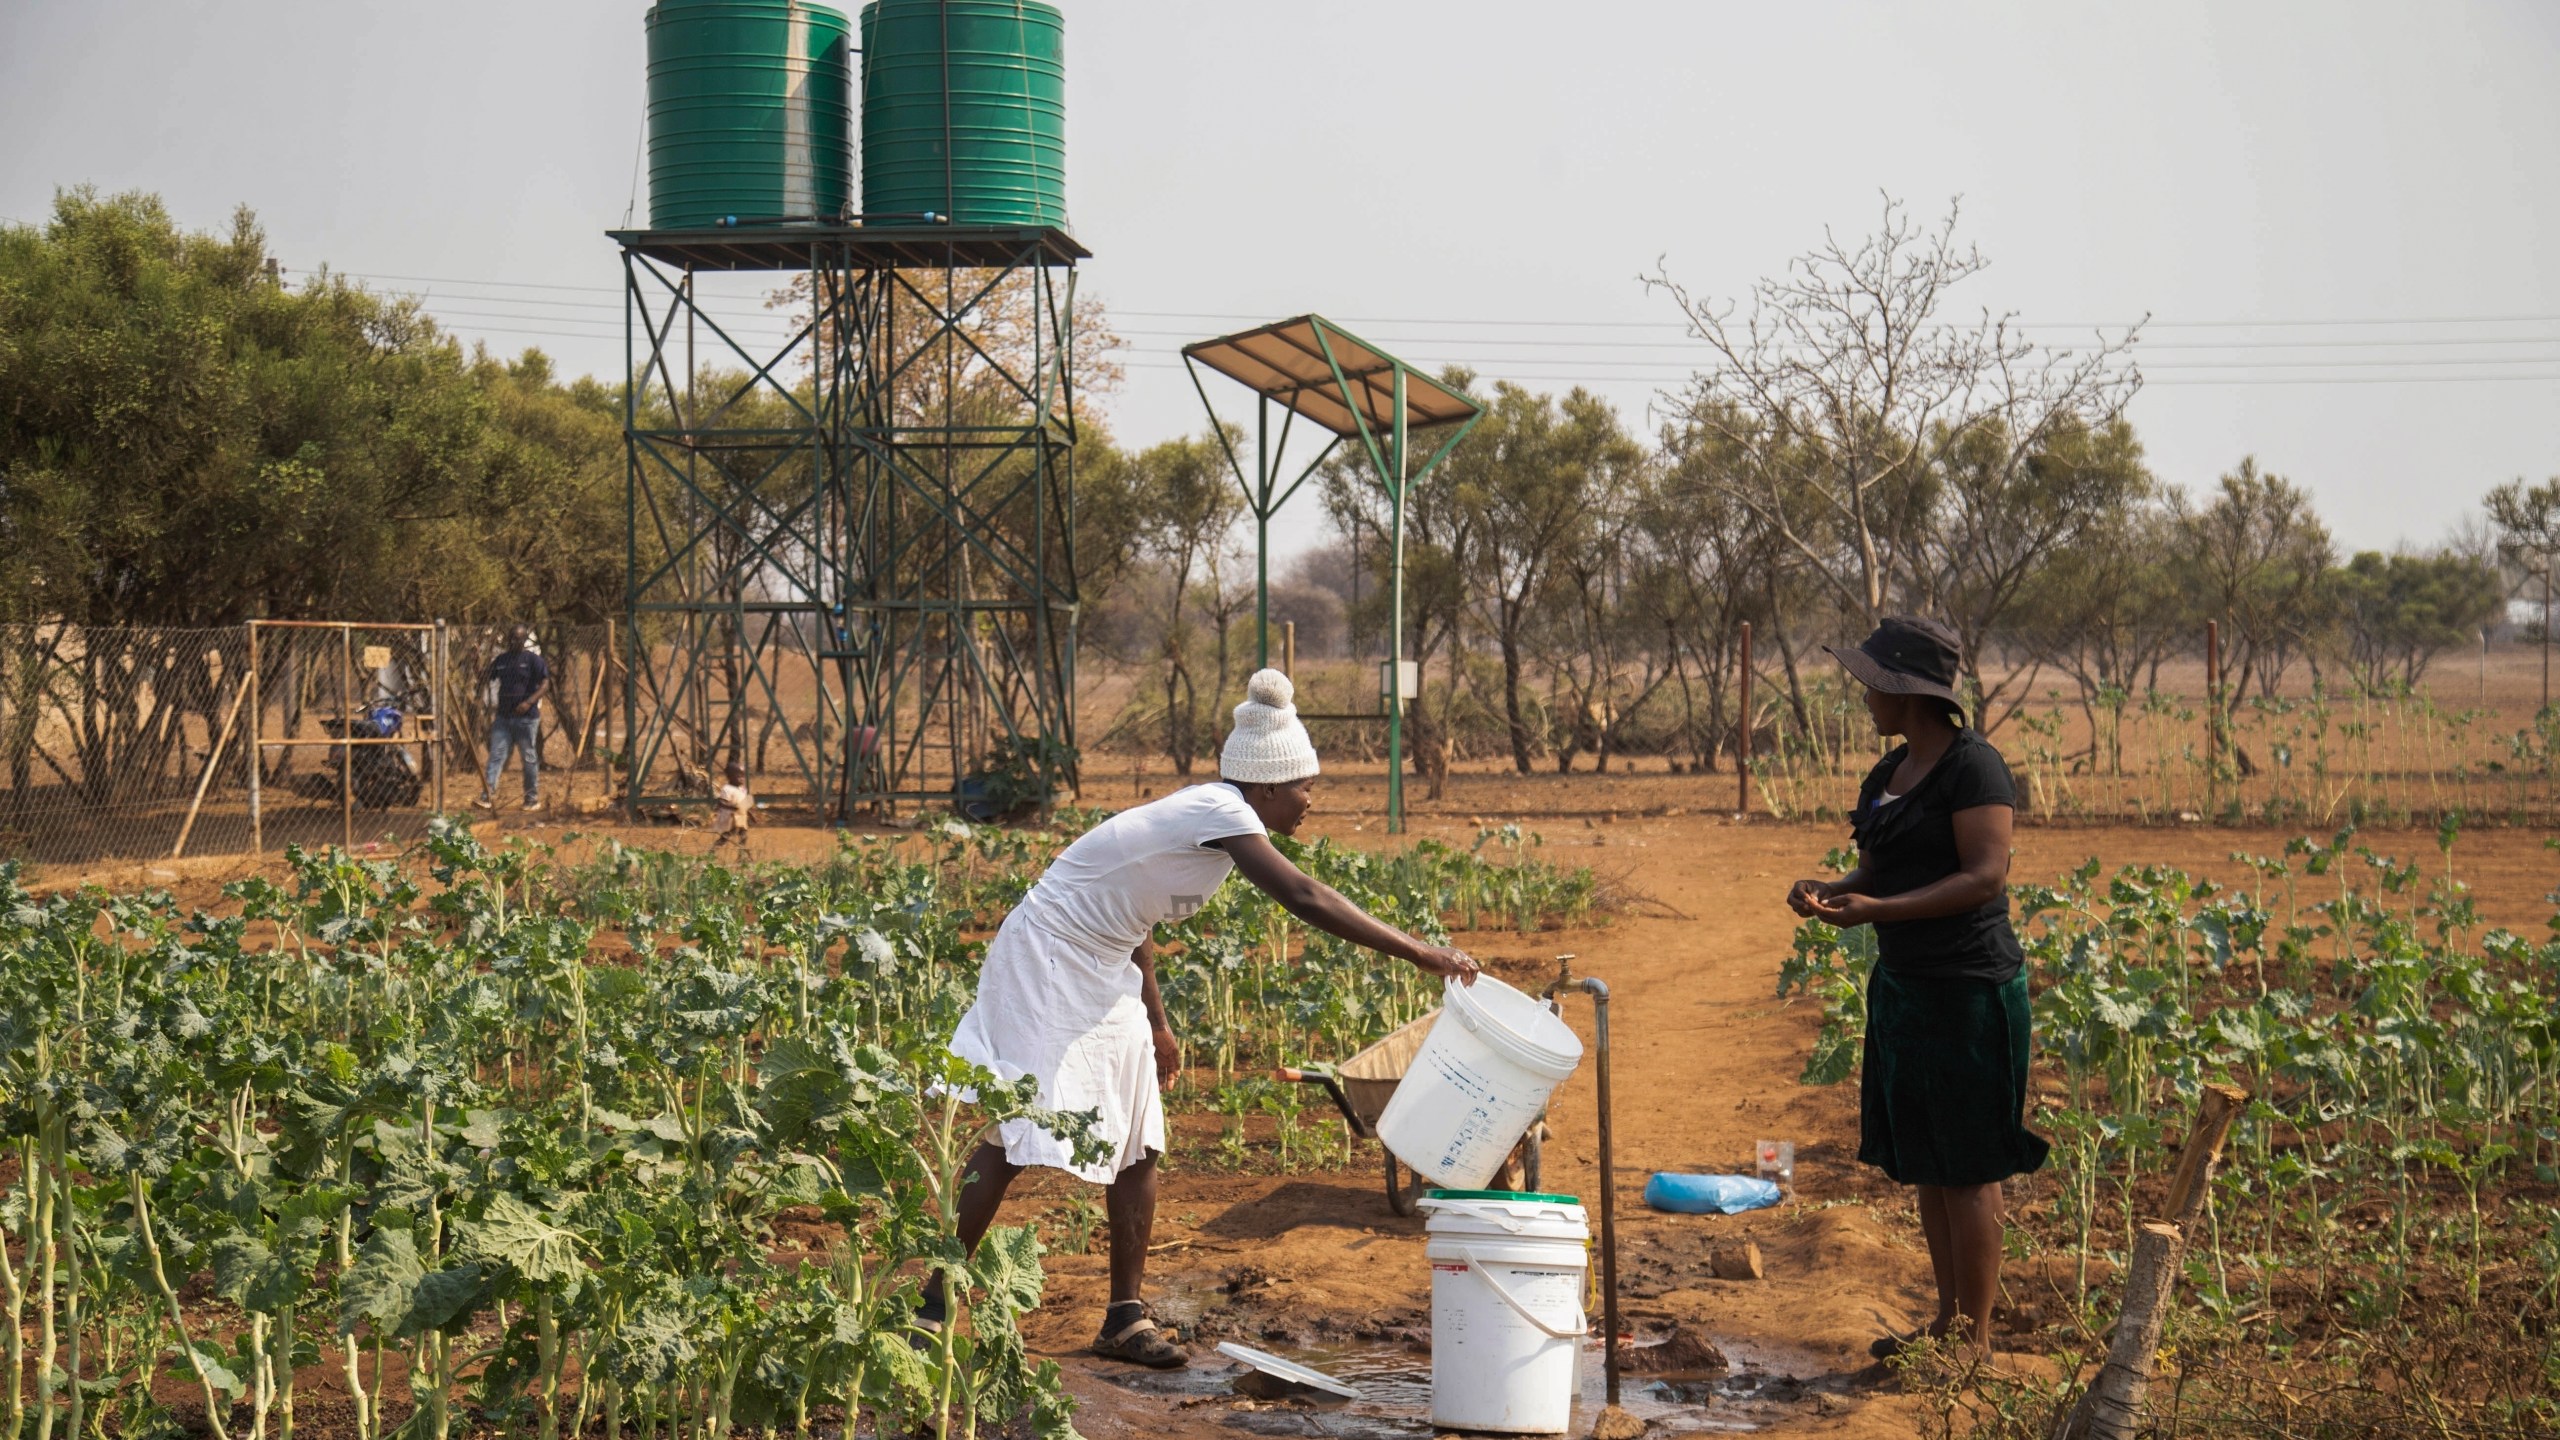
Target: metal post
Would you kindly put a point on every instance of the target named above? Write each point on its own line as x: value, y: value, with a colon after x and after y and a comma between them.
x: 346, y: 738
x: 437, y: 676
x: 1598, y: 990
x: 1742, y: 732
x: 2213, y: 689
x: 1395, y: 620
x: 1261, y: 532
x: 257, y: 755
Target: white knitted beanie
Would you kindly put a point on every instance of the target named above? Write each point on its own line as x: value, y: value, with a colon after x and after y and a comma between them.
x: 1268, y: 745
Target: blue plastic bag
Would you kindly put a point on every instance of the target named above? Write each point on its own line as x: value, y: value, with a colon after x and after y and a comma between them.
x: 1709, y: 1194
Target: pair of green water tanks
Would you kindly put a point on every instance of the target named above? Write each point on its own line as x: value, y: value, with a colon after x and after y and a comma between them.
x: 963, y: 113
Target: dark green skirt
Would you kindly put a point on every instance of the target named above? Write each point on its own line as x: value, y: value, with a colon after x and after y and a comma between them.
x: 1942, y: 1099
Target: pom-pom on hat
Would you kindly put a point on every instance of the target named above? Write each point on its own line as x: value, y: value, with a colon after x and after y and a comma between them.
x: 1268, y: 746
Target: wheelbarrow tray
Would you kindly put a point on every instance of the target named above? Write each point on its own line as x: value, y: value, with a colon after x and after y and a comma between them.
x: 1369, y: 1079
x: 1362, y: 1085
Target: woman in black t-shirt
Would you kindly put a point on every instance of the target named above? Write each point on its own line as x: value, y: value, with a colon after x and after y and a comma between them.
x: 1943, y: 1088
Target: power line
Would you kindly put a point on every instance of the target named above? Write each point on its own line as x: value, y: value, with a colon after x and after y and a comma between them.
x: 776, y: 326
x: 2190, y: 383
x: 1527, y: 322
x: 1619, y: 365
x: 1688, y: 346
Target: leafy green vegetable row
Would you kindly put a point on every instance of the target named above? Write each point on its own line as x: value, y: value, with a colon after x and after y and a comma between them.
x: 2403, y: 1061
x: 495, y: 1130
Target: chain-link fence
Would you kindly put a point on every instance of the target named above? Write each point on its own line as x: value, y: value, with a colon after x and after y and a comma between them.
x: 121, y: 743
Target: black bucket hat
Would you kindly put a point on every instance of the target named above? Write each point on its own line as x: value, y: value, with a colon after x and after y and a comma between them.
x: 1908, y: 655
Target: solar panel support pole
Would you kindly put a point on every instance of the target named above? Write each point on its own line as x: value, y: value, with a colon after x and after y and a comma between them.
x: 1395, y: 616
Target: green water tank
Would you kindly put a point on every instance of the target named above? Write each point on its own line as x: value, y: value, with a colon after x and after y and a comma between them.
x: 750, y: 104
x: 964, y: 113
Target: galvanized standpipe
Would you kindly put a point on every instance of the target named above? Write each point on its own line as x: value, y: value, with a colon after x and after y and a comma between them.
x: 1598, y: 990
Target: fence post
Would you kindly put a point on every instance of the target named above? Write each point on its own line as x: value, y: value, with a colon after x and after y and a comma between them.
x: 1289, y: 648
x: 1742, y: 732
x: 212, y: 762
x: 436, y: 678
x: 257, y: 751
x: 347, y: 738
x: 2212, y: 711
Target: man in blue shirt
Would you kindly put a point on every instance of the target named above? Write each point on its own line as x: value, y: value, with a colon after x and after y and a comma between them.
x: 521, y: 676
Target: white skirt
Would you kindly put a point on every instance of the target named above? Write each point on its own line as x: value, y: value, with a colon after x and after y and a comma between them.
x: 1074, y: 1021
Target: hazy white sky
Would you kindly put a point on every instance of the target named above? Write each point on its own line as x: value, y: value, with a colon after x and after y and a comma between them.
x: 2344, y: 217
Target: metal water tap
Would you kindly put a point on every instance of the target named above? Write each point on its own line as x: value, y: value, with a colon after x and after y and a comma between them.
x: 1598, y: 990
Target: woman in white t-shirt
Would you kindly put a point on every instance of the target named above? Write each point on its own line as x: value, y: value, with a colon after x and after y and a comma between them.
x: 1068, y: 993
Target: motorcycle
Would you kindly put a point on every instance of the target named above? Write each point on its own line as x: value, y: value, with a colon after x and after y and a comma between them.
x: 384, y: 777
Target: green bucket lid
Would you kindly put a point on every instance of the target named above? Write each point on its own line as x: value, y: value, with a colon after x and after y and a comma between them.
x: 1531, y: 1196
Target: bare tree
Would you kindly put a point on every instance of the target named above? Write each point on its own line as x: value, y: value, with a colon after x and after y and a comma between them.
x: 1196, y: 509
x: 2528, y: 522
x: 1847, y: 392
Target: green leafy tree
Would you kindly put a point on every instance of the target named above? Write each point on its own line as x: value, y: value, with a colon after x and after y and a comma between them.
x: 2396, y: 613
x: 191, y: 443
x: 2010, y: 502
x: 2255, y: 556
x: 1535, y: 473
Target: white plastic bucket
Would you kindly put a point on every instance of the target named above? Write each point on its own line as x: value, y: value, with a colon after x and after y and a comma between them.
x: 1477, y: 1083
x: 1506, y: 1311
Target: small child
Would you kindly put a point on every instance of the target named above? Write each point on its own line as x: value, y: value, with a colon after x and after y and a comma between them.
x: 730, y: 806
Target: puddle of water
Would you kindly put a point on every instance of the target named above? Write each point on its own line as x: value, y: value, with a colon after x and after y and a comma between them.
x: 1395, y: 1394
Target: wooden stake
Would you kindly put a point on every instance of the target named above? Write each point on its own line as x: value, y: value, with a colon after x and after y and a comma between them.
x: 347, y: 751
x: 2203, y: 1150
x: 1742, y: 732
x: 2212, y: 693
x: 239, y: 693
x: 257, y: 752
x: 2107, y: 1408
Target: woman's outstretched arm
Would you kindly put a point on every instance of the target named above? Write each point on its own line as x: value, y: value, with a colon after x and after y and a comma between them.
x: 1324, y: 907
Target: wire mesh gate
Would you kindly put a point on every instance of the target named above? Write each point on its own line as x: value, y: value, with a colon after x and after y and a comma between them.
x: 367, y: 699
x: 136, y: 743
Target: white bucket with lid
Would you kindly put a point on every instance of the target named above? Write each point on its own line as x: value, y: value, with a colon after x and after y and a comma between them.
x: 1477, y: 1083
x: 1506, y: 1309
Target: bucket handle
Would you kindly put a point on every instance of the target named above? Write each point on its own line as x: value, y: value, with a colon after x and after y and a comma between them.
x: 1476, y: 1263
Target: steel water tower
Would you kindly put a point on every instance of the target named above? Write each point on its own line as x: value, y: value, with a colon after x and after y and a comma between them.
x: 850, y: 553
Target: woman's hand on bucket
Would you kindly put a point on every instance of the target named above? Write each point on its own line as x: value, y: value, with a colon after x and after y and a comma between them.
x: 1447, y: 961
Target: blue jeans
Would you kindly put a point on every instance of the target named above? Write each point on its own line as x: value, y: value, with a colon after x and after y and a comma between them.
x: 522, y: 732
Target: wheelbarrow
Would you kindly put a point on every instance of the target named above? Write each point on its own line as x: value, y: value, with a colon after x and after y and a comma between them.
x: 1361, y: 1087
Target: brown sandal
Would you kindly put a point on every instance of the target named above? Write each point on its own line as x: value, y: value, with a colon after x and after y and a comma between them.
x: 1140, y: 1342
